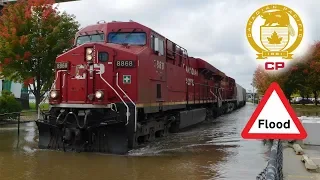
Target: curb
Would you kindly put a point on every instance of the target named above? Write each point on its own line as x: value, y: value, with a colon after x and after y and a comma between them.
x: 297, y: 148
x: 308, y: 163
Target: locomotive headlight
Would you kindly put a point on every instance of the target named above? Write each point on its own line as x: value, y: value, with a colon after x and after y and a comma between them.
x: 89, y: 51
x: 53, y: 94
x: 89, y: 54
x: 99, y: 95
x: 89, y: 57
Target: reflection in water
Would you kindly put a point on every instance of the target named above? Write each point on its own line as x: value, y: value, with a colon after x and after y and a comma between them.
x: 212, y: 150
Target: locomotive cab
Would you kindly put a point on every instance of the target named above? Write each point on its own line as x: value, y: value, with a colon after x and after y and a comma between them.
x: 92, y: 64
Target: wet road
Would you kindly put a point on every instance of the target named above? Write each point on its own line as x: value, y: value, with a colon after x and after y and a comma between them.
x: 212, y: 150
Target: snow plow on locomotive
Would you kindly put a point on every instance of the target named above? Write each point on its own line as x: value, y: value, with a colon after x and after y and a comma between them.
x: 124, y: 84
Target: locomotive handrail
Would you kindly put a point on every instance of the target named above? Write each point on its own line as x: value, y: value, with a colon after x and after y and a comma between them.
x: 53, y: 84
x: 176, y: 50
x: 203, y: 84
x: 213, y: 94
x: 184, y: 50
x: 135, y: 107
x: 183, y: 55
x: 220, y: 97
x: 128, y: 113
x: 64, y: 79
x: 220, y: 92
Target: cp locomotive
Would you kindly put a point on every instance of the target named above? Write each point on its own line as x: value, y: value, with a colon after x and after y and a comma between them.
x: 123, y: 85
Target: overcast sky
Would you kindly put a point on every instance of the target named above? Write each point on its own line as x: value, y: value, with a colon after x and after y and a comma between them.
x: 213, y: 30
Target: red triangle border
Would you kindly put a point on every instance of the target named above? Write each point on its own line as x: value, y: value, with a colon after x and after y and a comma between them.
x: 273, y: 87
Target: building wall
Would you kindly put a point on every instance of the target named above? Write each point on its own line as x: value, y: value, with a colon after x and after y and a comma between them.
x: 17, y: 89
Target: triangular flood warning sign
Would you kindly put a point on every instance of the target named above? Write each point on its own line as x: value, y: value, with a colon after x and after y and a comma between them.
x: 274, y: 118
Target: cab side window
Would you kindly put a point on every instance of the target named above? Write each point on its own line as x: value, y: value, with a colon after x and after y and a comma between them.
x: 152, y: 42
x: 157, y: 44
x: 161, y: 47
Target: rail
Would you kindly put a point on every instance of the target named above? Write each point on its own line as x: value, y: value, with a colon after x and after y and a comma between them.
x: 273, y: 170
x: 128, y: 113
x: 135, y: 107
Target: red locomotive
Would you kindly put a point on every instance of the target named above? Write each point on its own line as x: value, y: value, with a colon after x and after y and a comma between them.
x: 123, y: 84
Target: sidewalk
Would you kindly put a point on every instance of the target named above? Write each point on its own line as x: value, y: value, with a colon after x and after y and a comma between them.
x: 294, y: 168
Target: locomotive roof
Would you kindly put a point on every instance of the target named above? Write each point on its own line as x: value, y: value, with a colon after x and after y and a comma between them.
x: 202, y: 64
x: 113, y: 25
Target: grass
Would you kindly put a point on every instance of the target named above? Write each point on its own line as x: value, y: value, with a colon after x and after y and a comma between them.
x: 44, y: 106
x: 306, y: 108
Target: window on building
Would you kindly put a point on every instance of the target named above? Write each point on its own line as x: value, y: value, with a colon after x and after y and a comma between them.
x: 24, y: 89
x: 6, y: 86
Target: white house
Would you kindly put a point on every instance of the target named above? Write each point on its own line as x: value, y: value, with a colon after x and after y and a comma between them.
x: 20, y: 93
x: 15, y: 88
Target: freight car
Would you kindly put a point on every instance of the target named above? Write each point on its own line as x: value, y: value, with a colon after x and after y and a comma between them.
x: 123, y: 85
x: 241, y: 96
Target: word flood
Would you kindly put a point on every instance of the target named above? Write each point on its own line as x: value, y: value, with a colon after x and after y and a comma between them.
x: 271, y: 125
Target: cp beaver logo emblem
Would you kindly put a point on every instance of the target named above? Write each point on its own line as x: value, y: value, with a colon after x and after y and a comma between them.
x: 279, y: 29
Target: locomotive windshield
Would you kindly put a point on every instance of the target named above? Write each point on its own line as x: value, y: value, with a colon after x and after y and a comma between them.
x: 90, y: 38
x: 133, y: 38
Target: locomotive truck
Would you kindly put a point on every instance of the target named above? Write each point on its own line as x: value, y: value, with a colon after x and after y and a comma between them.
x: 123, y: 85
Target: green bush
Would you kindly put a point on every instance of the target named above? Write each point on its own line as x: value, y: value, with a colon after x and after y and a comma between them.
x: 8, y: 103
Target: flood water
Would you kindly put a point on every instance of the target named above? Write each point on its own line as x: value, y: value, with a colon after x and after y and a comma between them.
x: 212, y: 150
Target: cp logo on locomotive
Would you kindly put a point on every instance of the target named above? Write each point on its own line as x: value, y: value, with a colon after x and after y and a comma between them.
x: 80, y: 72
x: 274, y: 31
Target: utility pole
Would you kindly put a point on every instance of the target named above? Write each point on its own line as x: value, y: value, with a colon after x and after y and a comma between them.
x: 252, y: 92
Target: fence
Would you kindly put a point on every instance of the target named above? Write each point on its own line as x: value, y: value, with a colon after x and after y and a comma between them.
x: 18, y: 117
x: 273, y: 171
x: 15, y: 116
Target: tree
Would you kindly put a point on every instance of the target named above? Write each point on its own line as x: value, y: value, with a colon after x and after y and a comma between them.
x: 311, y: 70
x: 33, y: 33
x: 260, y: 79
x: 263, y: 79
x: 303, y: 76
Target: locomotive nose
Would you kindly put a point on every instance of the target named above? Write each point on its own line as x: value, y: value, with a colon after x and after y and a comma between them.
x: 78, y: 80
